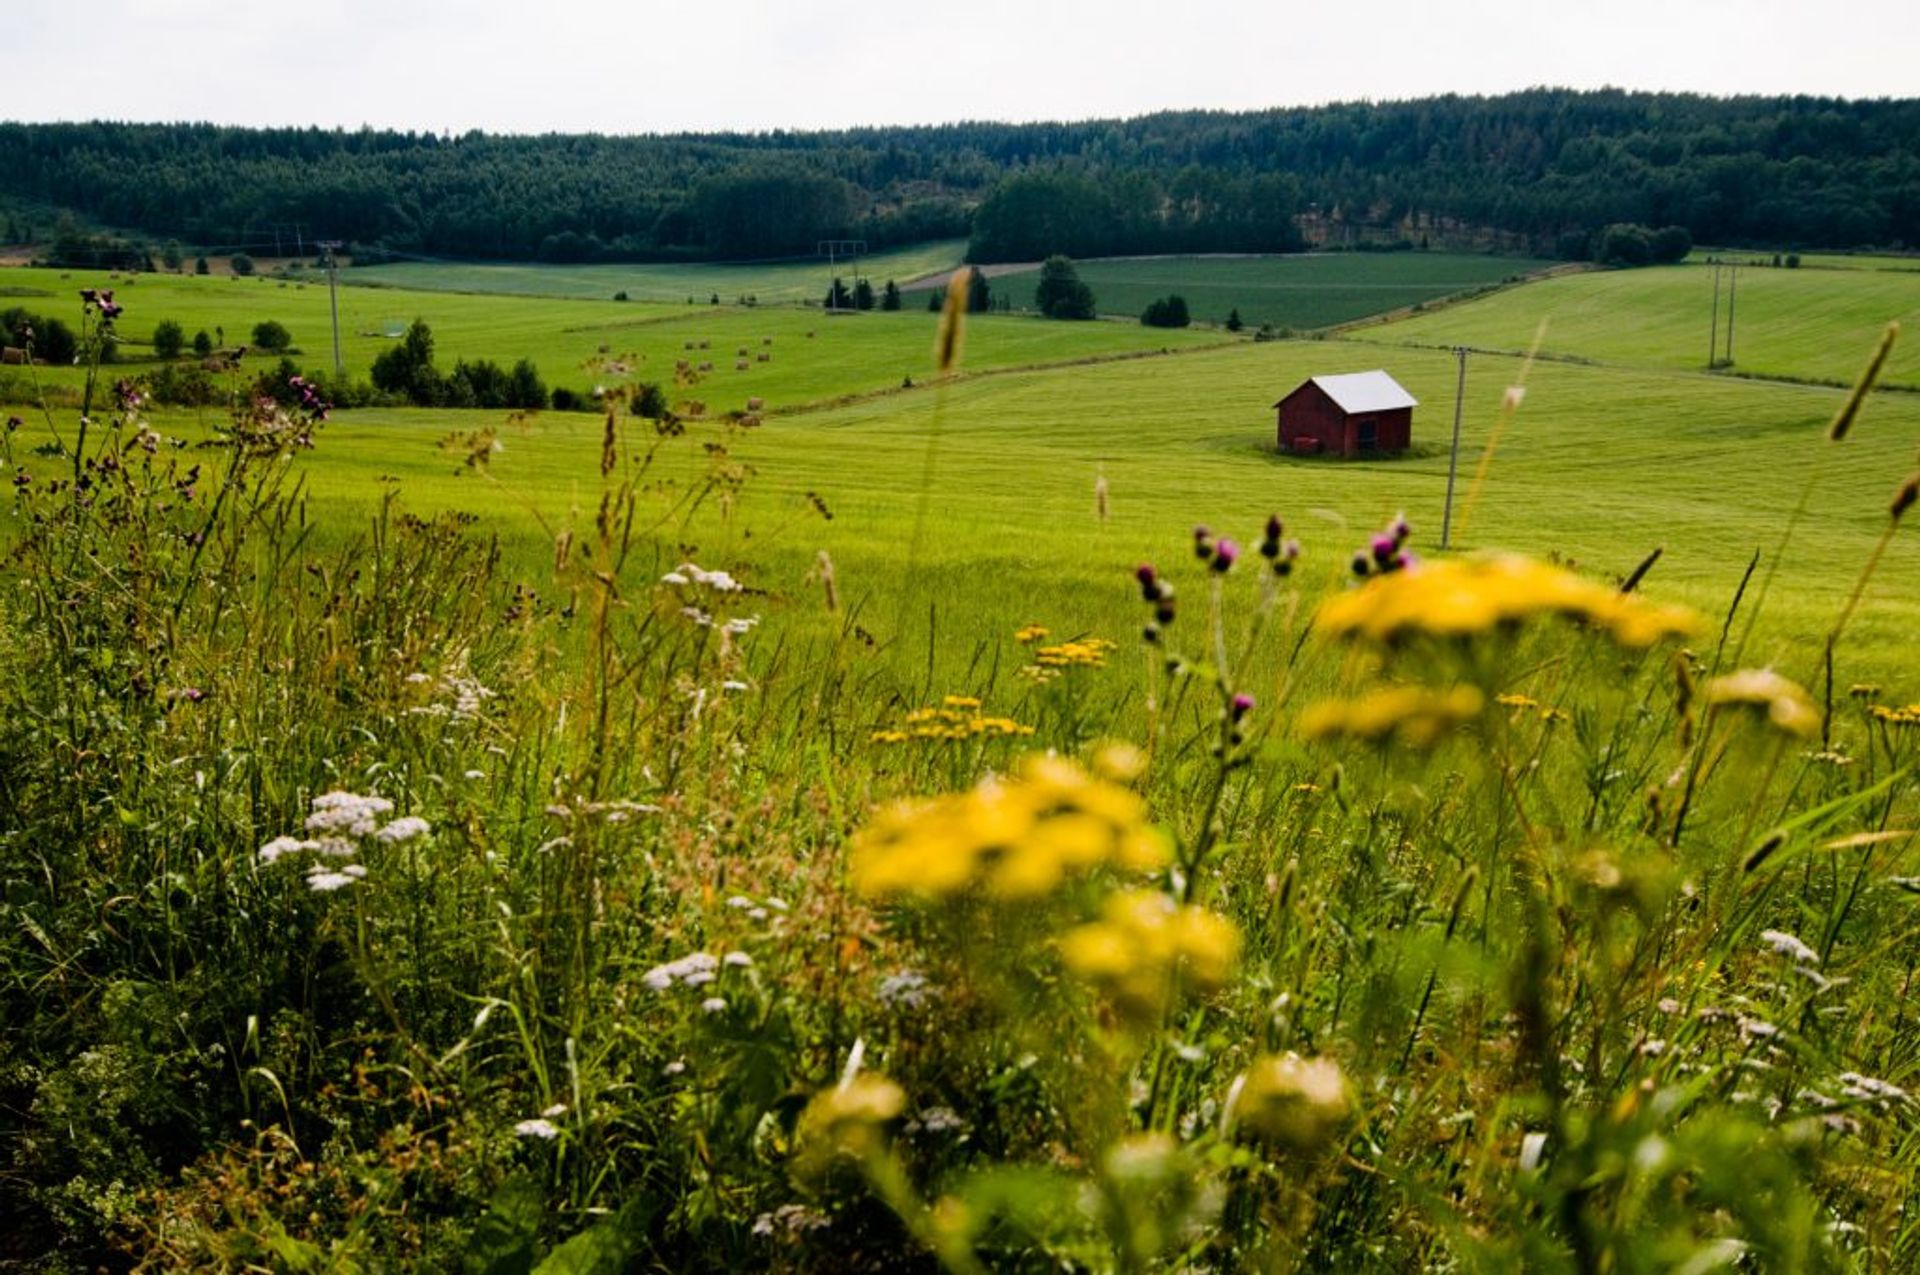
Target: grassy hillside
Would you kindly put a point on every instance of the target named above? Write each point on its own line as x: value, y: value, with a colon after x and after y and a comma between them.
x: 846, y: 354
x: 1816, y: 324
x: 769, y: 281
x: 1600, y: 466
x: 1296, y: 291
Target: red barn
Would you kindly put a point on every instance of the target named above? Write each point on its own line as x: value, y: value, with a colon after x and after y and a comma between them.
x: 1347, y: 415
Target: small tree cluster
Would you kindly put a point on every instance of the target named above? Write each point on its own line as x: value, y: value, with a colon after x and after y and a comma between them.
x: 1060, y: 293
x: 52, y: 340
x: 1167, y: 312
x: 407, y: 371
x: 1628, y: 244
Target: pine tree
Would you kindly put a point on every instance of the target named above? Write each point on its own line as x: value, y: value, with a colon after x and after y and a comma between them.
x: 979, y: 296
x: 890, y: 297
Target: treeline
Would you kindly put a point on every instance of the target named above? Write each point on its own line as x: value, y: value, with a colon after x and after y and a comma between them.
x: 1538, y: 165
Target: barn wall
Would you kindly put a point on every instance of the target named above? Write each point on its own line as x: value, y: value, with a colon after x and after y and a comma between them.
x: 1396, y: 430
x: 1309, y: 413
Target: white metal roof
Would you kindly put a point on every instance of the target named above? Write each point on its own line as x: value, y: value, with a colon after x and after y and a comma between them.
x: 1373, y: 391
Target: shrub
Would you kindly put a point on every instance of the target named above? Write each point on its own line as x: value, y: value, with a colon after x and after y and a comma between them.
x: 184, y: 385
x: 168, y: 339
x: 241, y: 264
x: 271, y: 336
x: 649, y: 401
x: 52, y: 340
x: 1167, y: 312
x: 1060, y: 293
x: 202, y: 343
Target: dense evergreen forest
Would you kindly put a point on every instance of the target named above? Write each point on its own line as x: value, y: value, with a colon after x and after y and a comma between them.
x: 1545, y: 168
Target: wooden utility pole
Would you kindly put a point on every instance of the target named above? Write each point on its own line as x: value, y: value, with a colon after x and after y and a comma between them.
x: 329, y: 246
x: 1453, y: 460
x: 1713, y: 337
x: 1733, y: 283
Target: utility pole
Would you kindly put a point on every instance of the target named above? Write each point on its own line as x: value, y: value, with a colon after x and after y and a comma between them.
x: 1733, y: 282
x: 1453, y: 460
x: 329, y: 246
x: 832, y: 249
x: 1713, y: 338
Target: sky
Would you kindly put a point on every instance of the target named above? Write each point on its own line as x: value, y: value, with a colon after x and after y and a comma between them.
x: 641, y: 66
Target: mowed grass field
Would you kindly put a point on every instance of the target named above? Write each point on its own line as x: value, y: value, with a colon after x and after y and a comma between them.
x: 811, y: 356
x: 974, y: 501
x: 1307, y: 290
x: 799, y: 279
x: 1812, y: 324
x: 971, y: 508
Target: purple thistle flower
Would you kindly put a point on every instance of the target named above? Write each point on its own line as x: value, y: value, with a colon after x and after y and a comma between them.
x: 1225, y: 553
x: 1242, y: 705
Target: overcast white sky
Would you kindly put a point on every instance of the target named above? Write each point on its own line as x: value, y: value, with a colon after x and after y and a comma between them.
x: 627, y: 66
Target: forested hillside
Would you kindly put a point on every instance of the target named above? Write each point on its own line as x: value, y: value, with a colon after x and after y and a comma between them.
x: 1545, y: 166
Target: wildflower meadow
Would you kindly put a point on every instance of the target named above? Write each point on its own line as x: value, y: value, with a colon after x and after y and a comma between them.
x: 371, y: 903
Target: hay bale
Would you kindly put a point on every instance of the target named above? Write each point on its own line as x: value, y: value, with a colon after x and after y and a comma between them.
x: 763, y: 357
x: 766, y: 340
x: 706, y: 367
x: 705, y: 344
x: 755, y: 403
x: 741, y: 365
x: 741, y: 352
x: 686, y: 345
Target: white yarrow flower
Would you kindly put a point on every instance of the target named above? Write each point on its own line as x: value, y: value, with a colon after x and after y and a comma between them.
x: 405, y: 828
x: 1787, y: 945
x: 280, y: 846
x: 539, y: 1127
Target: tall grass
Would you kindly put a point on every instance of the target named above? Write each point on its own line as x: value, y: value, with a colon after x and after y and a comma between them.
x: 1510, y: 933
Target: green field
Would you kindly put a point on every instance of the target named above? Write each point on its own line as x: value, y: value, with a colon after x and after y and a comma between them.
x: 414, y: 861
x: 803, y: 279
x: 1809, y: 324
x: 1811, y: 260
x: 811, y: 356
x: 1313, y: 290
x: 1601, y: 466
